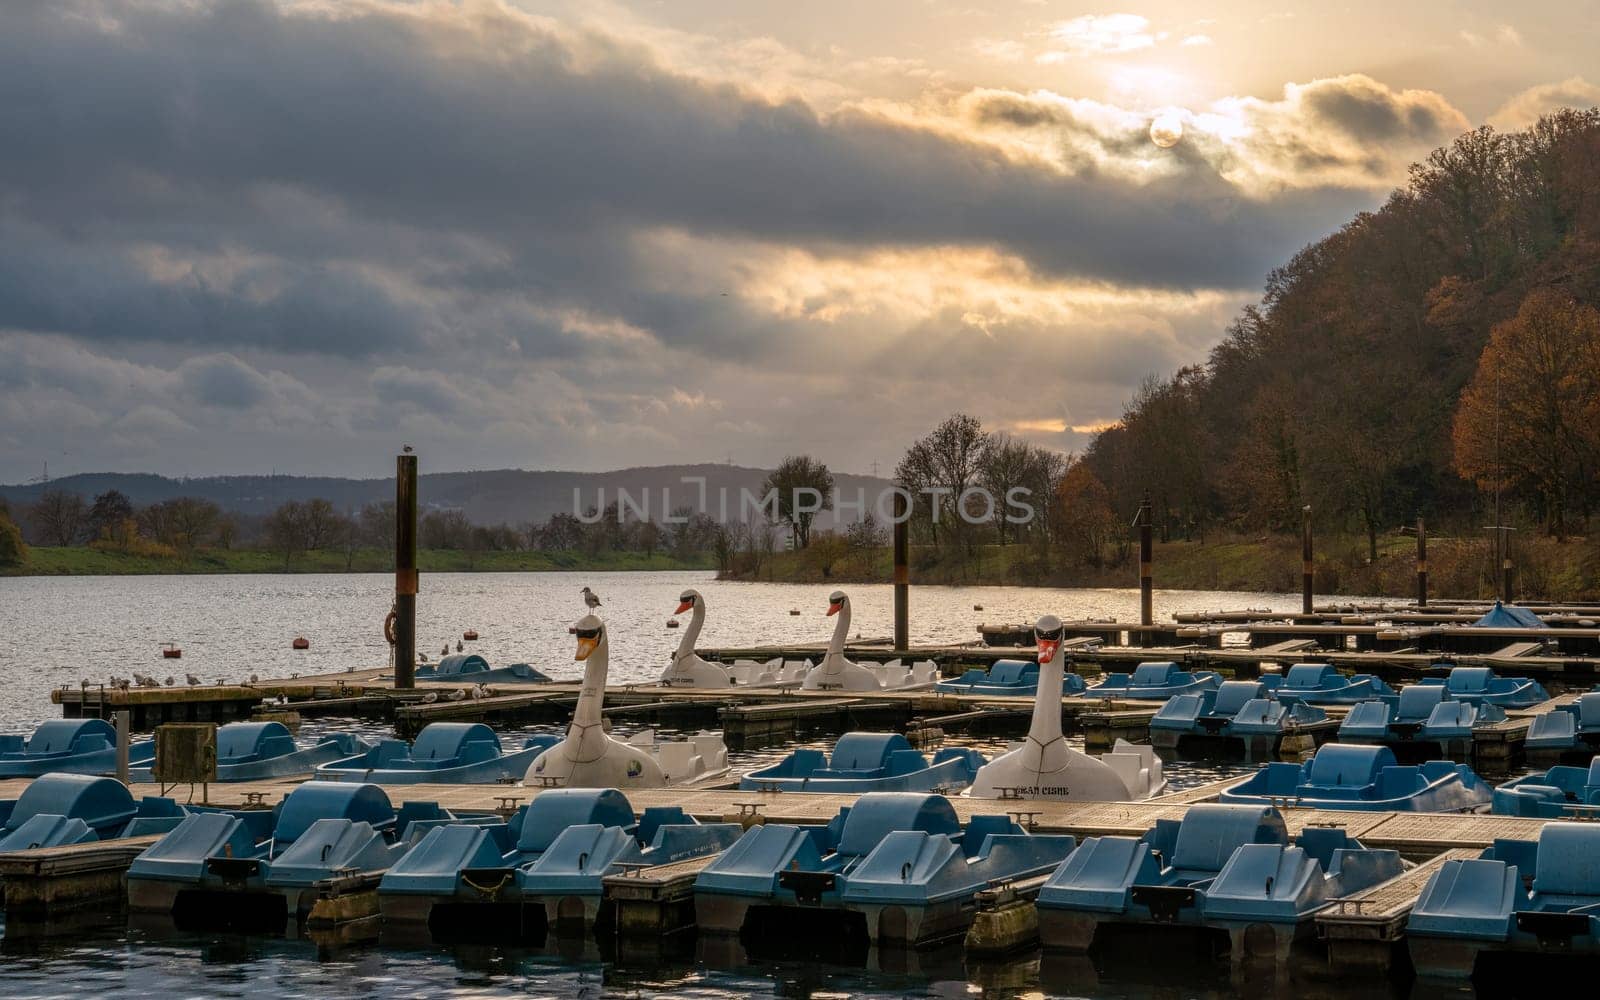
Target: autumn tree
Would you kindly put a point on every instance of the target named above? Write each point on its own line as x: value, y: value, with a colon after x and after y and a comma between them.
x: 1087, y: 521
x: 13, y: 550
x: 1529, y: 421
x: 107, y: 515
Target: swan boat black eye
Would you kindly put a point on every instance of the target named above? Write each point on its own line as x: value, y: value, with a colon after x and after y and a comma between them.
x: 588, y: 633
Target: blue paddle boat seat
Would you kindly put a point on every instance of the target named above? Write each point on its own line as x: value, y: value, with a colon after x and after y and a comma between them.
x: 319, y: 830
x: 1525, y: 897
x: 1574, y: 726
x: 1352, y: 776
x: 556, y: 856
x: 76, y: 746
x: 901, y: 859
x: 868, y: 762
x: 1479, y: 685
x: 1322, y: 684
x: 1208, y: 871
x: 60, y: 809
x: 444, y: 752
x: 1238, y: 709
x: 470, y: 668
x: 1155, y: 681
x: 1421, y: 712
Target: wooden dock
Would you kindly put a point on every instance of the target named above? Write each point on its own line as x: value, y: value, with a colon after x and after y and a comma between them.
x: 1362, y: 929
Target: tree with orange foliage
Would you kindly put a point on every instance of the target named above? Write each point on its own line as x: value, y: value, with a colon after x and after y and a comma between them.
x: 1529, y: 421
x: 1087, y: 520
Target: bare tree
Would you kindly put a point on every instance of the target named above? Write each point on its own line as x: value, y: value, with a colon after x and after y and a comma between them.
x: 58, y: 517
x: 799, y: 481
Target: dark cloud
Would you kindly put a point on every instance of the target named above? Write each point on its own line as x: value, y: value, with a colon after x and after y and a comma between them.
x: 379, y: 116
x: 223, y: 380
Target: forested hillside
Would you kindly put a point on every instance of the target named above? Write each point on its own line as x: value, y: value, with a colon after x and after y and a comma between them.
x: 1365, y: 382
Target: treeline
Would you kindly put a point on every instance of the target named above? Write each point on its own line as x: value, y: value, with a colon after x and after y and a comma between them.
x: 180, y: 527
x: 1424, y: 359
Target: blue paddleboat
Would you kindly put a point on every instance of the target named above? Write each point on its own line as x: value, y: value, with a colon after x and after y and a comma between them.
x: 74, y: 746
x: 1480, y: 686
x: 1421, y: 713
x: 1155, y: 682
x: 266, y: 863
x: 1567, y: 728
x: 867, y: 762
x: 252, y: 751
x: 1366, y: 778
x: 1322, y: 684
x: 1562, y: 791
x: 1520, y: 897
x: 1228, y: 869
x: 895, y: 867
x: 470, y: 668
x: 1245, y: 711
x: 1009, y: 677
x: 453, y: 753
x: 60, y: 809
x: 544, y: 869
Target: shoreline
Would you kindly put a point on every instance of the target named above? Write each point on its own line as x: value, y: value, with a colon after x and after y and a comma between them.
x: 80, y: 561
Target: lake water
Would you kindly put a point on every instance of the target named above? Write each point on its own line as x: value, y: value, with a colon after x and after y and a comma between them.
x: 60, y: 631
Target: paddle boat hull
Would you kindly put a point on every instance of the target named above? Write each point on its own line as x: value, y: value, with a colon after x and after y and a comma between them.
x: 1322, y: 684
x: 470, y: 668
x: 255, y: 751
x: 867, y: 762
x: 1561, y: 792
x: 1363, y: 778
x: 1567, y: 730
x: 1519, y: 898
x: 542, y: 871
x: 1008, y: 678
x: 1238, y: 716
x: 1207, y: 873
x: 68, y: 746
x: 1154, y: 682
x: 898, y: 861
x: 60, y: 809
x: 452, y: 753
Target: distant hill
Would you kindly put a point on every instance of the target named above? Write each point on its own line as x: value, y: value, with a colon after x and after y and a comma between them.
x: 512, y: 496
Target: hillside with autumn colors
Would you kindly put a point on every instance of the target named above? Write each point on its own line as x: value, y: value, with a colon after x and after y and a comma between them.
x: 1407, y: 365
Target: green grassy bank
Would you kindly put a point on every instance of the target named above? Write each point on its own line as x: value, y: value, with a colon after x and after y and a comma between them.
x: 81, y: 561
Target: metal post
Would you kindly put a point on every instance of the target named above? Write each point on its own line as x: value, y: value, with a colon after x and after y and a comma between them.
x: 124, y: 724
x: 1422, y: 564
x: 1146, y: 567
x: 1307, y: 566
x: 902, y: 572
x: 405, y: 571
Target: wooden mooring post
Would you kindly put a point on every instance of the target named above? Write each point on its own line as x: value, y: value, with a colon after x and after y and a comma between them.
x: 1422, y: 564
x: 1308, y: 567
x: 405, y: 571
x: 902, y: 571
x: 1146, y: 567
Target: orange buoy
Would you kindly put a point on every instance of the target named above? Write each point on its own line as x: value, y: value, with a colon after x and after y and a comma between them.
x: 171, y: 651
x: 469, y: 635
x: 672, y: 623
x: 301, y: 642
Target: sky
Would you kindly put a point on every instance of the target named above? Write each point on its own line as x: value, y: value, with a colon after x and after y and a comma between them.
x: 239, y: 236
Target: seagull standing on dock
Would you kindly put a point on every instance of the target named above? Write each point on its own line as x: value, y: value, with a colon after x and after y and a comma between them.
x: 192, y: 679
x: 591, y: 598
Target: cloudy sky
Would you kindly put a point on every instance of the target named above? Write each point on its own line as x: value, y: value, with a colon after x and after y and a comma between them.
x: 238, y: 235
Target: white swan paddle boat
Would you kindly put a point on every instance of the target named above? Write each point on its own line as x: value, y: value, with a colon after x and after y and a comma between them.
x: 589, y: 757
x: 837, y: 673
x: 1044, y: 767
x: 688, y: 669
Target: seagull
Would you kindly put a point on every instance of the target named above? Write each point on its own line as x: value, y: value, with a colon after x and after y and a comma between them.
x: 171, y: 681
x: 445, y: 651
x: 192, y: 679
x: 422, y: 657
x: 479, y: 691
x: 430, y: 697
x: 591, y: 598
x: 459, y: 646
x: 150, y: 682
x: 254, y: 678
x: 406, y: 449
x: 456, y: 695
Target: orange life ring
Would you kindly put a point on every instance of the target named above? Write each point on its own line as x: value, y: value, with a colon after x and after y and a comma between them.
x: 388, y: 627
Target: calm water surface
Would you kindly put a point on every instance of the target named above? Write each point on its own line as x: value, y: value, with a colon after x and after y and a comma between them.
x: 61, y: 631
